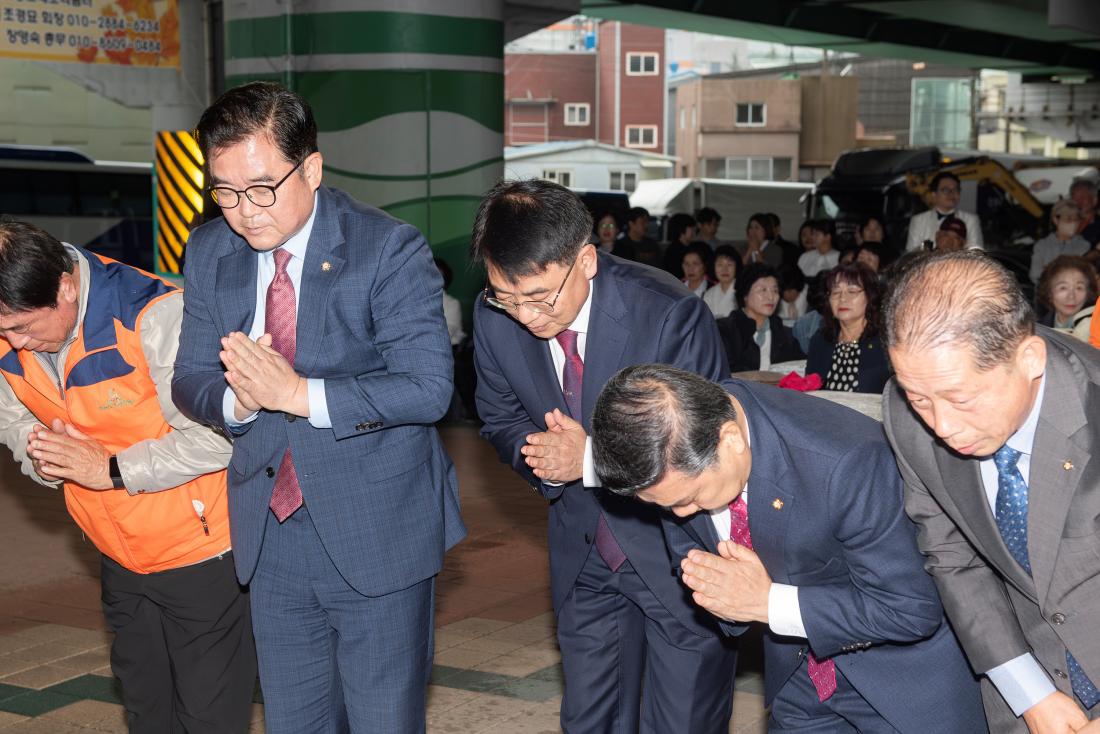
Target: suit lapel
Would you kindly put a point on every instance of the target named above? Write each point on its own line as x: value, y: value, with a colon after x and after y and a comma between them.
x: 963, y: 480
x: 701, y: 530
x: 540, y: 368
x: 605, y: 328
x: 236, y: 288
x: 1058, y: 461
x: 770, y: 506
x: 324, y: 260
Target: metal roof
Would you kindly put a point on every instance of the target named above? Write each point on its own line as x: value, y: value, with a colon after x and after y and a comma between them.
x: 1037, y: 38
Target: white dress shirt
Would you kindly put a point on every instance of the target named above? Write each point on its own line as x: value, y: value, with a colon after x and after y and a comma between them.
x: 812, y: 262
x: 721, y: 303
x: 265, y: 273
x: 784, y: 612
x: 1021, y: 681
x: 923, y: 227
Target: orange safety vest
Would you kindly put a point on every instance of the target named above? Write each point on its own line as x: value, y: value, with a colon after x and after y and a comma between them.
x: 110, y: 396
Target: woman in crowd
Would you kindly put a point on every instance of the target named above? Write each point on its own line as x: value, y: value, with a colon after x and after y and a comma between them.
x: 607, y: 237
x: 721, y: 297
x: 681, y: 231
x: 870, y: 230
x: 824, y: 256
x: 1064, y: 240
x: 695, y: 263
x: 1067, y: 285
x: 806, y: 236
x: 759, y: 234
x: 847, y: 352
x: 870, y: 254
x: 754, y: 337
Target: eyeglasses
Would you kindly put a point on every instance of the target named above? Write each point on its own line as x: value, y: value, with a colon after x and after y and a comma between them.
x: 947, y: 190
x: 840, y: 292
x: 260, y: 194
x: 544, y: 307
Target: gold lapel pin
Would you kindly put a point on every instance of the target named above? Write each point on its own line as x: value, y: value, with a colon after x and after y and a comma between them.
x: 1067, y: 465
x: 326, y: 266
x: 777, y: 503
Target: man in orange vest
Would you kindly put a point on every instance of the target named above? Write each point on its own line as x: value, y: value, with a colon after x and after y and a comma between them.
x: 87, y: 352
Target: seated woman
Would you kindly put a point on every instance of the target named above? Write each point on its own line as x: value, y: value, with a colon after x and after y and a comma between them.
x: 695, y: 263
x: 720, y: 297
x: 847, y: 352
x: 754, y: 337
x: 1067, y: 285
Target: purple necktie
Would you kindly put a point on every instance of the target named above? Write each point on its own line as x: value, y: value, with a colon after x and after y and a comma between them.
x: 822, y: 672
x: 572, y: 377
x: 281, y: 322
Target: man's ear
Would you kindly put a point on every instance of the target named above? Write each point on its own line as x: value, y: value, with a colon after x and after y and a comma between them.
x: 68, y: 290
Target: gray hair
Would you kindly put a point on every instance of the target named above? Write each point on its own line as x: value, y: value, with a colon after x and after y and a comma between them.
x: 653, y: 418
x: 958, y: 298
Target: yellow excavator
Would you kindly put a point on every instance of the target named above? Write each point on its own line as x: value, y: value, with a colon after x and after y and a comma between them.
x: 984, y: 170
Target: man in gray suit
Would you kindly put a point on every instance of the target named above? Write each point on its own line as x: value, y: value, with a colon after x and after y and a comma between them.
x: 988, y: 417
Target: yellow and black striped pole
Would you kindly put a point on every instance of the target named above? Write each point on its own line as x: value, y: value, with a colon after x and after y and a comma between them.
x: 179, y: 197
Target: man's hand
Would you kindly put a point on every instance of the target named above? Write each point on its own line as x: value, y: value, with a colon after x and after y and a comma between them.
x: 1093, y: 727
x: 1055, y: 714
x: 63, y: 452
x: 261, y: 377
x: 732, y: 586
x: 557, y: 455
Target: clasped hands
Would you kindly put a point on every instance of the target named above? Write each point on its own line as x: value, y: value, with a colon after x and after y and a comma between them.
x: 63, y: 452
x: 557, y: 454
x: 733, y: 585
x: 261, y: 378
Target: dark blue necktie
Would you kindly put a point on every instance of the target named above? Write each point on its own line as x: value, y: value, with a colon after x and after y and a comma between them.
x: 1012, y: 522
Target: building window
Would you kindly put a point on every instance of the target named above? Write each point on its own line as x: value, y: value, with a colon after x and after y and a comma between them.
x: 751, y: 114
x: 577, y: 114
x: 624, y: 181
x: 641, y: 136
x: 683, y: 115
x: 641, y: 64
x: 748, y: 169
x: 558, y: 176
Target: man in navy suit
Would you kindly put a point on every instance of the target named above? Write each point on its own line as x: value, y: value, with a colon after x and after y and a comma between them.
x: 313, y: 331
x: 820, y: 549
x: 556, y: 321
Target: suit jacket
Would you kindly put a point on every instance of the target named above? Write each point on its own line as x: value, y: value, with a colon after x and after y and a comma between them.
x: 639, y: 314
x: 742, y: 351
x: 379, y: 485
x: 874, y: 362
x: 923, y: 227
x: 999, y: 611
x: 826, y: 515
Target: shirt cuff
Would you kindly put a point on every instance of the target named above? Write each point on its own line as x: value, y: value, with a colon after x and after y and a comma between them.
x: 784, y: 613
x: 318, y: 403
x: 1022, y: 682
x: 588, y: 472
x: 229, y: 402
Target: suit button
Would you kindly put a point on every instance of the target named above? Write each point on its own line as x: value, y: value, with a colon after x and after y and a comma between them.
x: 587, y: 539
x: 360, y: 426
x: 269, y: 472
x: 1058, y: 618
x: 1060, y: 673
x: 374, y: 426
x: 290, y: 418
x: 801, y: 653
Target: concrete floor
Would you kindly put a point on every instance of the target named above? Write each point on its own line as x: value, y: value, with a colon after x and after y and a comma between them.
x: 497, y: 662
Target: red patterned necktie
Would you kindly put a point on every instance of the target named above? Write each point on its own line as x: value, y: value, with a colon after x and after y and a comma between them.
x: 822, y: 672
x: 282, y: 323
x: 572, y: 378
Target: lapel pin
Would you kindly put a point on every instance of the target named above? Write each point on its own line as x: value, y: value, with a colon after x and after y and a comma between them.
x: 777, y: 503
x: 1067, y: 465
x: 326, y: 266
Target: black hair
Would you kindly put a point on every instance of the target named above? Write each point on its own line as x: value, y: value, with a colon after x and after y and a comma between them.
x: 651, y: 419
x: 791, y: 278
x: 707, y: 215
x: 941, y: 177
x: 860, y: 275
x: 32, y: 262
x: 764, y: 221
x: 825, y: 226
x: 748, y: 276
x: 677, y: 223
x: 259, y: 108
x: 636, y: 212
x: 524, y: 226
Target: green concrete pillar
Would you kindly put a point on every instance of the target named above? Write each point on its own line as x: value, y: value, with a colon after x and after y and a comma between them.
x: 408, y: 98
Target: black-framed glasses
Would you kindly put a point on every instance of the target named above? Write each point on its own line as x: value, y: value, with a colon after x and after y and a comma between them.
x: 544, y: 306
x: 259, y: 194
